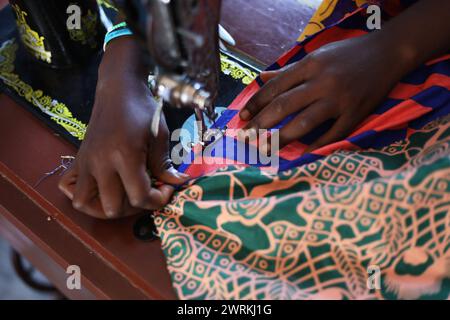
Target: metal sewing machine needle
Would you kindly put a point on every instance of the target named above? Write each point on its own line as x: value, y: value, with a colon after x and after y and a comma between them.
x: 213, y: 131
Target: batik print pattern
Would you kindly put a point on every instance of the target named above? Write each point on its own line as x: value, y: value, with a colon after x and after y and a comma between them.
x: 337, y: 224
x: 313, y: 232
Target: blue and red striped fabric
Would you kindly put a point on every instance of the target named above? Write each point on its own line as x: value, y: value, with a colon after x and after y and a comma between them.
x: 421, y: 97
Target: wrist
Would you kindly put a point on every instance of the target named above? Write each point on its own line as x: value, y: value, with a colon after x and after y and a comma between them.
x: 123, y: 60
x: 400, y: 57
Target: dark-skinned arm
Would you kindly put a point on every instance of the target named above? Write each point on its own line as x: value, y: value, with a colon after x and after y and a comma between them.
x: 110, y: 177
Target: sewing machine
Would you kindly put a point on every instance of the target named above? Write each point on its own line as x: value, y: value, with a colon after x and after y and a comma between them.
x: 182, y: 40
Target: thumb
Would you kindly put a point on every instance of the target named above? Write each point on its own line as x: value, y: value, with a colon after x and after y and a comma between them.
x: 169, y: 175
x: 161, y: 166
x: 158, y: 159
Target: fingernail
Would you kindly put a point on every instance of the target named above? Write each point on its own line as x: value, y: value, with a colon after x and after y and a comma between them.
x: 184, y: 175
x: 110, y: 213
x: 158, y: 184
x: 244, y: 114
x: 264, y: 75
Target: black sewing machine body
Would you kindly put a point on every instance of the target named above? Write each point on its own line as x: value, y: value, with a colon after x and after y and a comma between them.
x: 70, y: 77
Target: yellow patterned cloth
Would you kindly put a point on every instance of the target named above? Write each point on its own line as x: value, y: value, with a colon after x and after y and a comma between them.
x: 325, y: 11
x: 54, y: 109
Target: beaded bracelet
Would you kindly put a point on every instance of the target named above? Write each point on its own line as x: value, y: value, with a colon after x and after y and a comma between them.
x: 118, y: 26
x: 119, y: 30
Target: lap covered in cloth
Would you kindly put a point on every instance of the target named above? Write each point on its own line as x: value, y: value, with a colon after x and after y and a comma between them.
x: 363, y: 218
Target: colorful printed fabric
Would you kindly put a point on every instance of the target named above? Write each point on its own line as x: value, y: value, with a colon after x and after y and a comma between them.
x: 318, y: 231
x: 419, y: 98
x: 364, y: 218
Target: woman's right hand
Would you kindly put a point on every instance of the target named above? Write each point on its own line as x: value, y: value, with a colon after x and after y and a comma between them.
x: 110, y: 177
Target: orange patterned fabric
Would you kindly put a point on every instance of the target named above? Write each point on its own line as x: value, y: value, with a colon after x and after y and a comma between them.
x: 372, y: 224
x: 367, y: 224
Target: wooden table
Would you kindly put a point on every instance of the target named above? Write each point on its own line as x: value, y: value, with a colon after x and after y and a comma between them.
x: 41, y: 224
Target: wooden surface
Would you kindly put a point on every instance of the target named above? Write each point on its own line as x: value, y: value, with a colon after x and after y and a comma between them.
x: 40, y: 222
x: 264, y: 29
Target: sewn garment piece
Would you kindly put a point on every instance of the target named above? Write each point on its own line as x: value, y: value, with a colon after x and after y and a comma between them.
x: 420, y: 97
x: 363, y: 218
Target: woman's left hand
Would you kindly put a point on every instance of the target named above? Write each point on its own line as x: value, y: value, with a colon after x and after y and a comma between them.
x: 343, y: 80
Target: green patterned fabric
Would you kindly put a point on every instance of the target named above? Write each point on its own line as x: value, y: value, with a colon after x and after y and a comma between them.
x: 370, y: 224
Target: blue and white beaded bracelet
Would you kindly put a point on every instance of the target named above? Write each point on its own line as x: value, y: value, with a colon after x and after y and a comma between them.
x: 119, y: 30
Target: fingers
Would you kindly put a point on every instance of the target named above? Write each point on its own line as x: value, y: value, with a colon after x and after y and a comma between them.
x: 68, y: 181
x: 138, y: 186
x: 268, y: 75
x: 165, y: 193
x: 285, y: 104
x: 304, y: 122
x: 104, y: 196
x: 171, y: 176
x: 162, y: 169
x: 119, y: 184
x: 82, y: 190
x: 85, y: 191
x: 278, y: 83
x: 341, y: 128
x: 159, y: 161
x: 111, y: 193
x: 85, y: 198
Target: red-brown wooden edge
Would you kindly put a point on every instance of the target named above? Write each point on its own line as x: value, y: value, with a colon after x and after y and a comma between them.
x: 41, y: 224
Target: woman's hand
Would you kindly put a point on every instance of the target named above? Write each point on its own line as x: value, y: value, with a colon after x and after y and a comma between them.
x: 110, y: 176
x: 344, y: 81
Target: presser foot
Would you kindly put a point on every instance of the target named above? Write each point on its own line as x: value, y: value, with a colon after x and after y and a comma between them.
x: 201, y: 130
